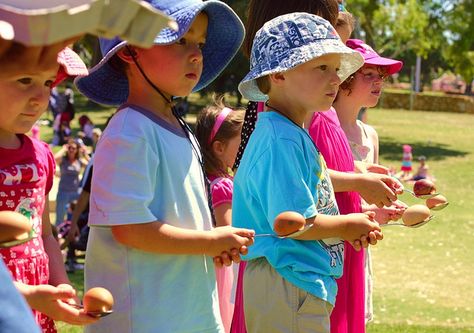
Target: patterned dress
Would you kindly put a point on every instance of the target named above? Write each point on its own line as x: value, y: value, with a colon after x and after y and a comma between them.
x: 26, y: 176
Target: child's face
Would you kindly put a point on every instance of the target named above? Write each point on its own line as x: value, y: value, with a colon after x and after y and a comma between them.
x: 344, y: 30
x: 230, y: 151
x: 367, y: 86
x: 314, y: 84
x: 24, y: 97
x: 177, y: 68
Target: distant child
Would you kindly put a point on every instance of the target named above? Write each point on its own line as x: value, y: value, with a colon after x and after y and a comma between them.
x: 218, y: 131
x: 26, y: 177
x: 297, y: 64
x: 363, y: 89
x: 423, y: 170
x: 407, y: 162
x: 151, y: 241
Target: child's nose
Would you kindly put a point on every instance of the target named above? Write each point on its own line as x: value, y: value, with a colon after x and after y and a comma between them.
x: 335, y: 79
x: 196, y: 54
x: 41, y: 96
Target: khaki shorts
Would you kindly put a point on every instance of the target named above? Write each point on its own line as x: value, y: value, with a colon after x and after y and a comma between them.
x: 272, y: 304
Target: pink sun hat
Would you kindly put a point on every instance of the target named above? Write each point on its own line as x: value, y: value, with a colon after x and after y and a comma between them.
x: 70, y: 65
x: 373, y: 58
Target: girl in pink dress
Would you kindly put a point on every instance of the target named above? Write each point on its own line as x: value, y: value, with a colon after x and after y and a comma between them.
x: 363, y: 89
x: 218, y: 131
x: 26, y: 176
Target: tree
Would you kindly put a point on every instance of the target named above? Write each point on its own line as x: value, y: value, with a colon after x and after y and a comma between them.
x: 459, y: 50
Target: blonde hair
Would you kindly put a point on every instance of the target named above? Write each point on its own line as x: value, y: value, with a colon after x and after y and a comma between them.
x: 228, y: 130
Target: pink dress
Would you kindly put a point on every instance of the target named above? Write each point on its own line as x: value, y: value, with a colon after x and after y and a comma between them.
x: 26, y: 176
x: 348, y: 314
x: 222, y: 188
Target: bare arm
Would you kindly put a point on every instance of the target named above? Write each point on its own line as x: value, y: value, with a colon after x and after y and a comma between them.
x: 60, y: 154
x: 223, y: 214
x: 159, y: 237
x: 376, y: 189
x: 348, y: 227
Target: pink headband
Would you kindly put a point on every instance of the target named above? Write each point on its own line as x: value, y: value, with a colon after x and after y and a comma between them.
x: 220, y: 119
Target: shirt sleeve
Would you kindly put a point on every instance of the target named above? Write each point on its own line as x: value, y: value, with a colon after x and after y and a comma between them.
x: 222, y: 192
x: 287, y: 185
x: 123, y: 181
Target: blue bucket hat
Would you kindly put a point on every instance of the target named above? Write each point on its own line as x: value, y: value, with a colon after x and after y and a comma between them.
x: 225, y: 33
x: 291, y: 40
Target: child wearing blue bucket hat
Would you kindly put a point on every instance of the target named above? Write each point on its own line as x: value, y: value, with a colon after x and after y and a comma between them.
x: 151, y: 240
x: 297, y: 63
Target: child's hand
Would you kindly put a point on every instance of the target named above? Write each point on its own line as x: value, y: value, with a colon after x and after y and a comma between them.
x: 225, y: 239
x: 228, y: 258
x: 386, y: 214
x: 358, y: 228
x: 378, y: 189
x: 55, y: 303
x: 364, y: 241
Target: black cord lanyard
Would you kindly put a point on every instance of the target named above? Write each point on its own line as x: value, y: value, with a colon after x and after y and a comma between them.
x: 302, y: 129
x: 187, y: 131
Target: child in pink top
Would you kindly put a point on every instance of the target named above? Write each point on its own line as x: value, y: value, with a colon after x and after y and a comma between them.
x: 218, y: 131
x: 26, y: 177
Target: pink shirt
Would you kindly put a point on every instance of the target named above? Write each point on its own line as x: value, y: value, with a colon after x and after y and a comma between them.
x: 26, y: 177
x: 221, y: 189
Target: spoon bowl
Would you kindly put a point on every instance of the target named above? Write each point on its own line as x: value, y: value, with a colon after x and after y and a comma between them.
x: 440, y: 206
x: 421, y: 196
x: 95, y: 314
x: 416, y: 225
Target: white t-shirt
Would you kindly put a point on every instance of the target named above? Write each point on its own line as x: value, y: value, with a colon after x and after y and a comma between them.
x: 146, y: 170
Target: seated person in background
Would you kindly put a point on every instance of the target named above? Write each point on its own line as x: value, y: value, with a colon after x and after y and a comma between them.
x: 423, y: 170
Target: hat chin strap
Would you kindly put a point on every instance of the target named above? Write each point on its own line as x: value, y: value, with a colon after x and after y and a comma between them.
x: 187, y: 130
x: 167, y: 100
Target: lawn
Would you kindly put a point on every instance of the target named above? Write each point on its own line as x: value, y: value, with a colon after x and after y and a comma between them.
x: 423, y: 277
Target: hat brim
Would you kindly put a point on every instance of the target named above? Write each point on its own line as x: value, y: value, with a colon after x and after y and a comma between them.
x: 393, y: 66
x: 351, y: 61
x: 225, y: 33
x: 70, y: 64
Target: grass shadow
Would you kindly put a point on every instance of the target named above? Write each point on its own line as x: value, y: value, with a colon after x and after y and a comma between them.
x: 391, y: 149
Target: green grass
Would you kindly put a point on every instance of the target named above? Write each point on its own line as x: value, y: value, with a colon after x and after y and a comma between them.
x: 423, y: 277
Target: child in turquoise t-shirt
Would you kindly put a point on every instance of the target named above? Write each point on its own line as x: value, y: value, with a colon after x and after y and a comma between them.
x: 297, y: 64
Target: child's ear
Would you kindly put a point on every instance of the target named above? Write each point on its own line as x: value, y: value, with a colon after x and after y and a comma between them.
x: 127, y: 54
x: 276, y: 78
x: 218, y: 148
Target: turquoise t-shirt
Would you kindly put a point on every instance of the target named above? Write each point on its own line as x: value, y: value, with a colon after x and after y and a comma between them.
x: 281, y: 170
x: 146, y: 170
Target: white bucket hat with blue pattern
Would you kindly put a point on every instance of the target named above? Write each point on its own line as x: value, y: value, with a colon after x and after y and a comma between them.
x: 225, y: 33
x: 291, y: 40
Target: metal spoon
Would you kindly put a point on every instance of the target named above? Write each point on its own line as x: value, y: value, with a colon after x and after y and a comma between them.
x: 440, y: 206
x: 95, y: 314
x: 421, y: 196
x: 292, y: 235
x: 416, y: 225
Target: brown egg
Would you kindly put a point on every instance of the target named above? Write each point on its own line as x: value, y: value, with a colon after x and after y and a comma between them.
x: 436, y: 201
x: 98, y: 300
x: 288, y: 222
x: 415, y: 214
x: 423, y: 187
x: 13, y: 226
